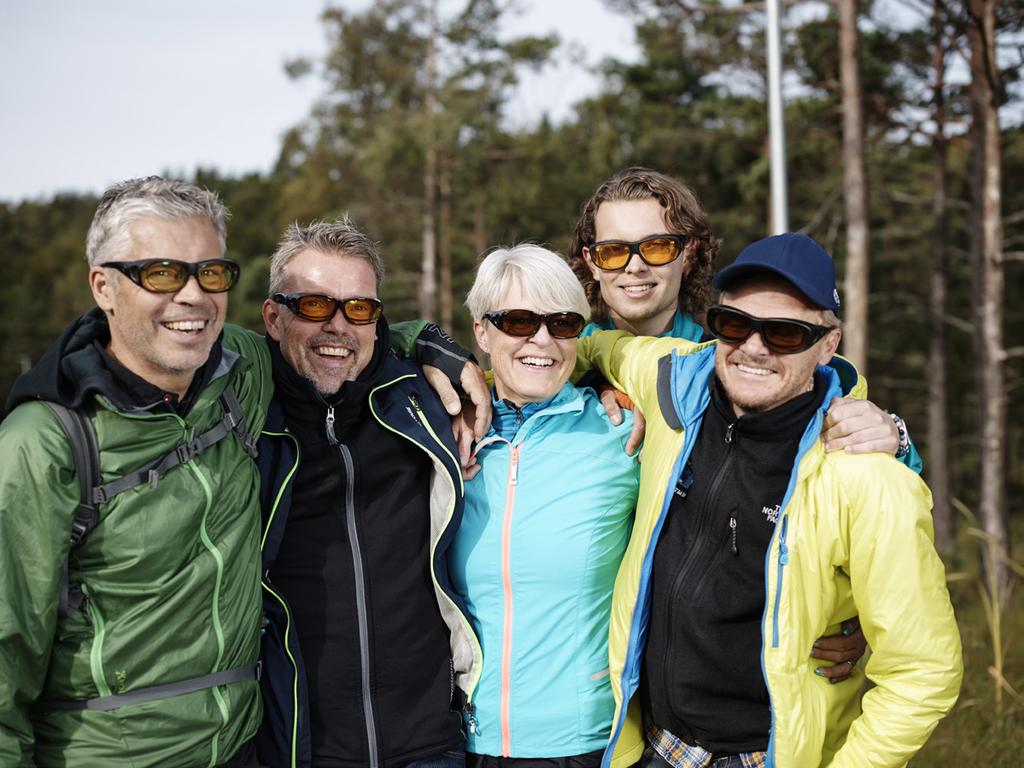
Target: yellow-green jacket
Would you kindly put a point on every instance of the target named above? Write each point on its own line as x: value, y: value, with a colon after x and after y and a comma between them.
x: 854, y: 536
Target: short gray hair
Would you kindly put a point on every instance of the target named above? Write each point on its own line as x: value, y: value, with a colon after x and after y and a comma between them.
x: 543, y: 276
x: 826, y: 317
x: 339, y: 237
x: 152, y: 197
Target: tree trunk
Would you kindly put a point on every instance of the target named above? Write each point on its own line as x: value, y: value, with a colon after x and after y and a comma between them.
x: 855, y: 286
x: 445, y: 249
x: 938, y: 426
x: 987, y: 261
x: 428, y: 265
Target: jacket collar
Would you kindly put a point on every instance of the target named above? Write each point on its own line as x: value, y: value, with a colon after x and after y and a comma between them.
x: 512, y: 424
x: 683, y: 327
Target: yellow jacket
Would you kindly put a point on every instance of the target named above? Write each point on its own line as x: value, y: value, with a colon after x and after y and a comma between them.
x: 854, y: 536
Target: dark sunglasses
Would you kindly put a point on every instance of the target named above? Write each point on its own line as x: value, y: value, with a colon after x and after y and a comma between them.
x: 170, y: 275
x: 318, y: 308
x: 523, y: 322
x: 781, y: 336
x: 656, y: 250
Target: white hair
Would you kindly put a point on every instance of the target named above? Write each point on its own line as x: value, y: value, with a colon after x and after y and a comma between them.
x: 542, y: 275
x: 125, y: 203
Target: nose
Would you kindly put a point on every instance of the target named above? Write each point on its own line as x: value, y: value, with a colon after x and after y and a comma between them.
x: 190, y: 292
x: 754, y: 346
x: 542, y: 337
x: 337, y: 324
x: 635, y: 264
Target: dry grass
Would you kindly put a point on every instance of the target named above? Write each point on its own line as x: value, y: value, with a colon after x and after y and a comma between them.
x: 981, y: 730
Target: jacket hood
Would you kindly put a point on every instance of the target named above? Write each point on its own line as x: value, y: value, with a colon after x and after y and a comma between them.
x: 71, y: 369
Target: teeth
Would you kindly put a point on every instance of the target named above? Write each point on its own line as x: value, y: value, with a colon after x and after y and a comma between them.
x: 541, y: 362
x: 333, y: 351
x: 754, y: 371
x: 186, y: 325
x: 637, y: 289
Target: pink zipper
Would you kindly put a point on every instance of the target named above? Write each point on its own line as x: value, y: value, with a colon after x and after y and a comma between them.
x: 506, y: 583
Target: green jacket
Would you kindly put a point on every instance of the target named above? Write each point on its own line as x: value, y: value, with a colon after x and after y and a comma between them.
x: 170, y: 574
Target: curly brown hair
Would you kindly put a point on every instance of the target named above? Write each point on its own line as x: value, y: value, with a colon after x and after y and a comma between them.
x: 684, y: 216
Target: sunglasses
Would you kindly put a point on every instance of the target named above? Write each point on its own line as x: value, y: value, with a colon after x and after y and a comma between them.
x: 523, y: 322
x: 657, y: 251
x: 170, y: 275
x: 781, y: 336
x: 318, y: 308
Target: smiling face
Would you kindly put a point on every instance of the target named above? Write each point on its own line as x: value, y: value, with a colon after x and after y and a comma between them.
x: 330, y: 353
x: 754, y: 378
x: 162, y: 337
x: 527, y: 369
x: 642, y: 299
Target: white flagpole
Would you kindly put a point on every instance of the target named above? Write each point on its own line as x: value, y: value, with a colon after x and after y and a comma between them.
x: 776, y: 122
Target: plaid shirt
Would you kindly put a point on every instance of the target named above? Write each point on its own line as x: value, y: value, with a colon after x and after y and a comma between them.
x: 679, y: 754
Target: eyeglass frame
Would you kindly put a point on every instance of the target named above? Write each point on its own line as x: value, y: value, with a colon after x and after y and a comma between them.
x: 634, y: 249
x: 291, y: 300
x: 815, y: 333
x: 133, y: 271
x: 495, y: 316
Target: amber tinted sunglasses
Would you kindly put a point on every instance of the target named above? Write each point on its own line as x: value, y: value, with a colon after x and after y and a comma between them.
x: 318, y: 308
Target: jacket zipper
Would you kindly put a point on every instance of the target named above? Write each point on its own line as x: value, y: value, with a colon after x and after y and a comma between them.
x: 698, y: 552
x: 506, y: 584
x: 783, y: 560
x: 360, y: 589
x: 626, y: 687
x: 268, y: 586
x: 441, y: 469
x: 468, y: 706
x: 96, y: 652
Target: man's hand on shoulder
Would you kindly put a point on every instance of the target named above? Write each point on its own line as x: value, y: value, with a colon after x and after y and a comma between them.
x: 859, y: 426
x: 614, y: 401
x: 474, y: 385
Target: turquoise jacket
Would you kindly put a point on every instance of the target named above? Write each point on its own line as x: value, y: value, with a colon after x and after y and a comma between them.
x: 544, y: 528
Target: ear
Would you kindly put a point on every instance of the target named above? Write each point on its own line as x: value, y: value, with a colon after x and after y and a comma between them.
x: 594, y: 271
x: 830, y: 345
x: 481, y: 336
x: 687, y: 256
x: 103, y: 287
x: 271, y: 317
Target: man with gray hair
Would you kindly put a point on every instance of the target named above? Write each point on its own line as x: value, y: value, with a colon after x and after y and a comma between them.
x: 361, y: 496
x: 130, y: 612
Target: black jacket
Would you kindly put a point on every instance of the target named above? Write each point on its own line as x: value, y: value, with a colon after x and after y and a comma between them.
x: 355, y: 566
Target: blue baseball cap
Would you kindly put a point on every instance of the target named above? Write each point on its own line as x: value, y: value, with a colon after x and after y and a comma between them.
x: 792, y: 256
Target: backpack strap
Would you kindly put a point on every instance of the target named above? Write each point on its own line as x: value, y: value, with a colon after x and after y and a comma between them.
x: 86, y: 455
x: 235, y: 417
x: 233, y: 422
x: 156, y: 692
x: 85, y: 452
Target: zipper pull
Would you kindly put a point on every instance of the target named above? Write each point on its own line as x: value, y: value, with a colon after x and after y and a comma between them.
x: 513, y: 470
x: 330, y: 426
x: 728, y: 433
x: 471, y: 717
x: 732, y: 525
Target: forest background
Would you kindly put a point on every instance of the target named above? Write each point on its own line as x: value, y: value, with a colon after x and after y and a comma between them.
x: 905, y: 150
